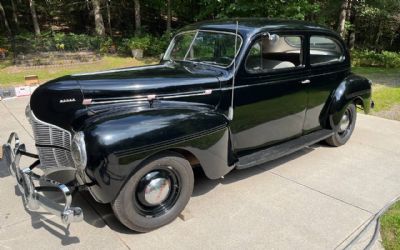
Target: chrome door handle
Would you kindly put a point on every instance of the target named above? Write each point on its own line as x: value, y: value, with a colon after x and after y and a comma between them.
x: 307, y: 81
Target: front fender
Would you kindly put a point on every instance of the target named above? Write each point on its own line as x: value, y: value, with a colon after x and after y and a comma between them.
x: 118, y: 143
x: 353, y: 89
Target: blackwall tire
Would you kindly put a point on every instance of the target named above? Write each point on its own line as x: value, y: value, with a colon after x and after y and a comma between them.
x: 136, y: 213
x: 340, y: 137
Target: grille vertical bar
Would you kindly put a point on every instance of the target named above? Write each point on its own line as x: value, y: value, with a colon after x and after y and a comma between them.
x: 51, y: 142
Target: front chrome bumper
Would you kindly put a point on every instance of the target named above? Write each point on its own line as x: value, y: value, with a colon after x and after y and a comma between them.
x: 32, y: 196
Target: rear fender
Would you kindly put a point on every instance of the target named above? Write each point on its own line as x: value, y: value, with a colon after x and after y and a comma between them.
x: 354, y: 89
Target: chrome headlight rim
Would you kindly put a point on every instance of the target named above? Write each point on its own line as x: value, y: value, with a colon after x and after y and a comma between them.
x: 78, y: 150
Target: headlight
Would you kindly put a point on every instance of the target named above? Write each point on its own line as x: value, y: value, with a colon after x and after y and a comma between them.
x: 78, y: 150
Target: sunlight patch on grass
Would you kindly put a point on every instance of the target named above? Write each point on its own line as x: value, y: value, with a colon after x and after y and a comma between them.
x: 385, y: 97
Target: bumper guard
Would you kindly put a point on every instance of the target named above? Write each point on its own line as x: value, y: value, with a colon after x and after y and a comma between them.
x: 32, y: 197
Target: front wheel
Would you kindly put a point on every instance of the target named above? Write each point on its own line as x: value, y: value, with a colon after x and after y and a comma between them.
x: 345, y: 128
x: 156, y: 194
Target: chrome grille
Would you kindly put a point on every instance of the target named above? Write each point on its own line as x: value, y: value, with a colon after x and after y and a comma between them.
x: 52, y: 143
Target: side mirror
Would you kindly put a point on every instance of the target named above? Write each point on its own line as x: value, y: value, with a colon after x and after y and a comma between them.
x: 162, y: 56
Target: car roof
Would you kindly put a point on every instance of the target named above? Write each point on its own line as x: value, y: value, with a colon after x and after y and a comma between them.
x: 250, y: 26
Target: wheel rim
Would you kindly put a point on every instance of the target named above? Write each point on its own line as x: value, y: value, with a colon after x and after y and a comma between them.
x: 345, y: 123
x: 157, y: 191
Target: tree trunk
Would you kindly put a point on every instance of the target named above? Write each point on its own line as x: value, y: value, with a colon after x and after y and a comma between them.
x: 98, y: 18
x: 3, y: 15
x: 109, y: 17
x: 349, y: 9
x: 169, y: 16
x: 342, y: 18
x: 34, y: 17
x: 15, y: 15
x: 378, y: 35
x: 351, y: 39
x: 138, y: 21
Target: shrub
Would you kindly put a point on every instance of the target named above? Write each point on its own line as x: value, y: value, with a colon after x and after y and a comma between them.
x: 159, y: 44
x: 370, y: 58
x: 107, y: 45
x: 58, y: 41
x: 28, y: 43
x: 139, y: 43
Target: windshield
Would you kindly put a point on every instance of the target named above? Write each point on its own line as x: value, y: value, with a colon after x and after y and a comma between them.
x: 204, y: 46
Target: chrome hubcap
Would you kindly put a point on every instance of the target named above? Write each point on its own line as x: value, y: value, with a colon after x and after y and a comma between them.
x: 157, y: 191
x: 344, y: 122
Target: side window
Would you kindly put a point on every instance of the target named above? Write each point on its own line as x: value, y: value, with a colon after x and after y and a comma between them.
x: 275, y: 53
x: 325, y: 50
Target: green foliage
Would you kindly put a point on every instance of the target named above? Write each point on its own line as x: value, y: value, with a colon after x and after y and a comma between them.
x: 142, y: 42
x: 159, y: 44
x: 59, y: 41
x: 69, y: 25
x: 151, y: 45
x: 385, y: 59
x: 107, y: 45
x: 295, y: 9
x: 377, y: 25
x: 390, y: 228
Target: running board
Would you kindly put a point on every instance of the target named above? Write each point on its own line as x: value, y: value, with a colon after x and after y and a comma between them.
x: 275, y: 152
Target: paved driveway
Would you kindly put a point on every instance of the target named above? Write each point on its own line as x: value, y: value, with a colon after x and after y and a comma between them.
x: 317, y: 198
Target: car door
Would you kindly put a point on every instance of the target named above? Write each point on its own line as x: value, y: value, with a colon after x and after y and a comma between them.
x: 329, y: 64
x: 270, y: 99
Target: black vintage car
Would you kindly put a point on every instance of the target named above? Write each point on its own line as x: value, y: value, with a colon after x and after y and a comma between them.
x: 226, y: 95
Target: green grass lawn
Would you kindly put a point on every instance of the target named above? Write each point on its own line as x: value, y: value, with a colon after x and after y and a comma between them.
x: 14, y: 76
x: 385, y: 90
x: 375, y: 70
x: 390, y: 228
x: 385, y: 97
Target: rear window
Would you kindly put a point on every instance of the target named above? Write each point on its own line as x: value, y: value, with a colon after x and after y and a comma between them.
x: 325, y: 50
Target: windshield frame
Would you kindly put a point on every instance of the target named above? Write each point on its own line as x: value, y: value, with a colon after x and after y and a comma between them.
x: 172, y: 44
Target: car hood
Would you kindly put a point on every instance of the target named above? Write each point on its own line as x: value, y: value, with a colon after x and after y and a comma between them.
x: 161, y: 79
x: 64, y: 101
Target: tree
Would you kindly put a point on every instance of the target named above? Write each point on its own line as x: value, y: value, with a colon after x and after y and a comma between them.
x: 351, y: 37
x: 342, y: 17
x: 138, y: 18
x: 98, y: 18
x: 108, y: 17
x: 3, y: 15
x: 169, y: 16
x: 15, y: 16
x: 34, y: 17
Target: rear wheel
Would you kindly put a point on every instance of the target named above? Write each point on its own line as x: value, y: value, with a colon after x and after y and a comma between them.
x: 346, y: 127
x: 156, y: 194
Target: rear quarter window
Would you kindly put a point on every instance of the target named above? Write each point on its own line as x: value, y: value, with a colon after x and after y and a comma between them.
x: 325, y: 50
x: 283, y: 52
